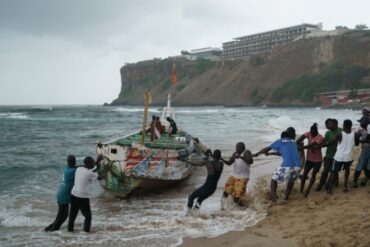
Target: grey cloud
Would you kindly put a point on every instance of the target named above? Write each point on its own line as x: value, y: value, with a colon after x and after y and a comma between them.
x: 81, y: 44
x: 72, y: 18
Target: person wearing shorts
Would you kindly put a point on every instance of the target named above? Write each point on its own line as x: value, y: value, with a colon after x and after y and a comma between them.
x: 289, y: 168
x: 314, y: 156
x: 236, y: 185
x: 331, y: 142
x: 343, y: 156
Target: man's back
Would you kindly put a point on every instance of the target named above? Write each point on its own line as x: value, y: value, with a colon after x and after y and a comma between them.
x: 83, y: 181
x: 289, y: 152
x: 214, y: 166
x: 345, y: 147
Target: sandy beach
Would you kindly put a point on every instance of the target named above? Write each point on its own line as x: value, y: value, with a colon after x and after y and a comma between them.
x: 340, y: 219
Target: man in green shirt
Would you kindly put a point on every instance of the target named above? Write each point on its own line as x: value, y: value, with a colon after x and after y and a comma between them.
x: 331, y: 142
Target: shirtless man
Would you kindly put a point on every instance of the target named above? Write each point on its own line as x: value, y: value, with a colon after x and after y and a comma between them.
x: 214, y: 170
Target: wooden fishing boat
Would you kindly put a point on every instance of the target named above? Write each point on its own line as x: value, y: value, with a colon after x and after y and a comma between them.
x: 136, y: 164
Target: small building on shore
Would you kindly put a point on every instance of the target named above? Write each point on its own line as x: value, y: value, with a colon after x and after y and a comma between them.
x: 341, y: 97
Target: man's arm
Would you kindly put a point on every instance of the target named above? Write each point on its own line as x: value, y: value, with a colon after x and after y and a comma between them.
x: 262, y: 151
x: 358, y: 138
x: 316, y: 145
x: 248, y: 157
x: 335, y: 140
x: 313, y: 146
x: 367, y: 139
x: 300, y: 139
x: 273, y: 153
x: 339, y: 137
x: 231, y: 160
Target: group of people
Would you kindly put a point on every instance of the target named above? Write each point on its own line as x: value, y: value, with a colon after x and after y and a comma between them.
x: 236, y: 184
x: 74, y: 191
x: 339, y: 144
x: 73, y: 194
x: 156, y: 128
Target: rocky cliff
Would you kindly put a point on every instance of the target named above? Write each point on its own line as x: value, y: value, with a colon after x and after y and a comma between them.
x: 280, y: 77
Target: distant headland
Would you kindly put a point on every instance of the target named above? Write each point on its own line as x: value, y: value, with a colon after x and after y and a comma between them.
x: 284, y: 67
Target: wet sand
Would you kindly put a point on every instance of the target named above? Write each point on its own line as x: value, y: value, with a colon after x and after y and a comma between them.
x: 340, y: 219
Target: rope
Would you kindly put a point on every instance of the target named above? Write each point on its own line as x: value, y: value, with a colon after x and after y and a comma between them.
x: 120, y: 168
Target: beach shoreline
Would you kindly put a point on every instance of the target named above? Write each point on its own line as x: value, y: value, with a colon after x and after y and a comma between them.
x: 150, y: 220
x: 340, y: 219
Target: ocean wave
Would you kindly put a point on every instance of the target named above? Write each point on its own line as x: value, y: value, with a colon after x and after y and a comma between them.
x: 31, y: 109
x: 205, y: 111
x: 40, y: 108
x: 213, y: 110
x: 129, y: 109
x: 23, y: 113
x: 278, y: 124
x: 17, y: 212
x: 182, y: 111
x: 14, y: 115
x: 282, y: 122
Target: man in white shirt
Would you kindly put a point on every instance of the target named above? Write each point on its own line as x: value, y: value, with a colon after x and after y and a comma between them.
x: 236, y: 184
x: 343, y: 155
x: 80, y: 194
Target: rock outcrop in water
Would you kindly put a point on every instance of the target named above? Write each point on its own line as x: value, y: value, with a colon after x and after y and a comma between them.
x: 290, y: 75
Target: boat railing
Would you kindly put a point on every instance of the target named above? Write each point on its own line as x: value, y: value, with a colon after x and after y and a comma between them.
x: 127, y: 134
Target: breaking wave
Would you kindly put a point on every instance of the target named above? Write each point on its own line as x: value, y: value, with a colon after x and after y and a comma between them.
x: 14, y: 115
x: 133, y: 110
x: 183, y: 111
x: 32, y: 109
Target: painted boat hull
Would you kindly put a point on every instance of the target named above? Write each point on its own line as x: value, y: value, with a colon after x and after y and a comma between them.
x: 140, y: 186
x: 137, y: 169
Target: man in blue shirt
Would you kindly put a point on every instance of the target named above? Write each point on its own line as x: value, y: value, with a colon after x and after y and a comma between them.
x: 289, y: 169
x: 64, y: 194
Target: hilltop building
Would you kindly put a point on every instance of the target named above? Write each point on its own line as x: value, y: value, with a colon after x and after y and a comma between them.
x: 211, y: 53
x: 263, y: 42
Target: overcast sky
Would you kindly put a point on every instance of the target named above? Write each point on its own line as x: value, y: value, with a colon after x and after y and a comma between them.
x: 70, y: 51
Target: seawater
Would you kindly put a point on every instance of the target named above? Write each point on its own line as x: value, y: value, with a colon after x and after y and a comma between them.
x: 35, y: 141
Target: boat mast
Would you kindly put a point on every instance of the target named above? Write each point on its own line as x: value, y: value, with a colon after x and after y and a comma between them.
x: 172, y: 87
x: 168, y: 103
x: 147, y: 101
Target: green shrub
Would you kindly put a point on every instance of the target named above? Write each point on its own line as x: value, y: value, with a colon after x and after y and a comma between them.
x: 166, y: 85
x: 330, y: 78
x: 254, y: 93
x: 202, y: 65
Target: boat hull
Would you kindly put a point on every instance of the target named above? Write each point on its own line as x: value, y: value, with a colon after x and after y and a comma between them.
x: 138, y: 186
x: 137, y: 169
